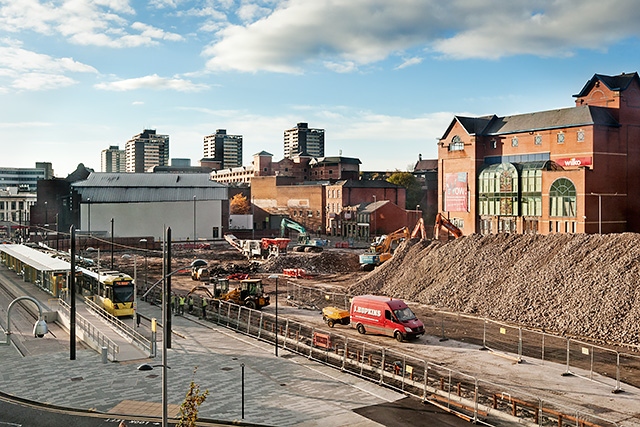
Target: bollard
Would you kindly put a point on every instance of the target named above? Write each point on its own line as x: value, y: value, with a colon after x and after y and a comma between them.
x: 104, y: 355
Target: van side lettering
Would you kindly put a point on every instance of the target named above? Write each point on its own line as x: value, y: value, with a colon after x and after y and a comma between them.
x: 368, y: 311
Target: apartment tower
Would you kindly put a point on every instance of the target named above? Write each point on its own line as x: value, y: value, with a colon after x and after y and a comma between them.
x: 146, y: 150
x: 223, y: 148
x: 301, y: 139
x: 113, y: 159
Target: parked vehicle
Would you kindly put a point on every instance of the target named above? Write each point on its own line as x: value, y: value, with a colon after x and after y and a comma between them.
x: 385, y: 316
x: 334, y: 316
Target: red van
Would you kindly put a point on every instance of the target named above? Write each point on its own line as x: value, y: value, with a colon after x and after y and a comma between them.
x: 385, y: 316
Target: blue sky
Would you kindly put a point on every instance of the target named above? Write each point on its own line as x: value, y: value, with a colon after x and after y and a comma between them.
x: 383, y: 78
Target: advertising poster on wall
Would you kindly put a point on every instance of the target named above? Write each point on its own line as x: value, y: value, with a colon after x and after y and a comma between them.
x: 456, y: 197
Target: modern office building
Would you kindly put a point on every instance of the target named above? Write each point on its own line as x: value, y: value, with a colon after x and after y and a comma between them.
x: 113, y: 159
x: 25, y: 178
x: 302, y: 140
x: 571, y: 170
x: 224, y: 148
x: 146, y: 150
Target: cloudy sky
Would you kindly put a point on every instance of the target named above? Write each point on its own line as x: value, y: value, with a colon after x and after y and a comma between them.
x: 382, y: 77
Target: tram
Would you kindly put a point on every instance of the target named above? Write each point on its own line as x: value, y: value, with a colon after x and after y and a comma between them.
x: 113, y: 291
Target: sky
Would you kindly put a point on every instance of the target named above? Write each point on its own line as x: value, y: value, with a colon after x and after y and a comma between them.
x: 384, y: 78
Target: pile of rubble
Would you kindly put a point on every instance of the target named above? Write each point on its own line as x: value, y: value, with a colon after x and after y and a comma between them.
x: 326, y: 262
x: 578, y: 285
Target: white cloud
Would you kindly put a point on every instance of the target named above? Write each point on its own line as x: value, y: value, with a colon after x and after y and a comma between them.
x: 153, y: 82
x: 298, y: 33
x: 83, y: 22
x: 409, y: 62
x: 27, y: 70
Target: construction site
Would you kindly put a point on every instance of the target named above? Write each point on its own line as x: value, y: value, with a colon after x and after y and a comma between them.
x: 575, y: 285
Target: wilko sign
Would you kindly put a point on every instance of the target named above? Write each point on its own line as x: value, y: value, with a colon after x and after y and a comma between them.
x: 575, y: 161
x: 456, y: 192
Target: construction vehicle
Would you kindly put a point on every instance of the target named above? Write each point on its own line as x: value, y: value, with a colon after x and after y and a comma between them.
x: 419, y: 229
x: 382, y: 249
x: 334, y: 315
x: 263, y: 248
x: 199, y: 270
x: 441, y: 222
x: 305, y: 242
x: 249, y: 293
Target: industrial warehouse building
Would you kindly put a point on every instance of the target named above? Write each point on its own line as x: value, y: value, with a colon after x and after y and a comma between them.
x: 142, y: 204
x: 572, y: 170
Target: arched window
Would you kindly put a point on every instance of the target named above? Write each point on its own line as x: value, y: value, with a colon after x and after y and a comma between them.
x: 456, y: 144
x: 562, y: 198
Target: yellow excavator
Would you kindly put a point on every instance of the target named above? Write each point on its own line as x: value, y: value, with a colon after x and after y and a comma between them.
x: 382, y: 249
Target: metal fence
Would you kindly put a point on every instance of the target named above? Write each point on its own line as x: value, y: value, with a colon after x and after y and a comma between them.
x: 92, y: 333
x: 578, y: 356
x: 468, y: 396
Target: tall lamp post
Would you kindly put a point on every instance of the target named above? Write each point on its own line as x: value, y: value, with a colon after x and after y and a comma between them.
x: 275, y: 276
x: 89, y: 221
x: 375, y: 217
x: 194, y: 224
x: 46, y: 221
x: 145, y: 260
x: 111, y: 243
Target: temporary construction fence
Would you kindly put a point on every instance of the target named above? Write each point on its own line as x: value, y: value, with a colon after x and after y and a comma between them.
x: 467, y: 396
x: 613, y: 367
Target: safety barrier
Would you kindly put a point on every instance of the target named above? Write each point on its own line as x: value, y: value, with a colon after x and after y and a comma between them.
x: 91, y: 333
x: 467, y: 396
x: 508, y: 339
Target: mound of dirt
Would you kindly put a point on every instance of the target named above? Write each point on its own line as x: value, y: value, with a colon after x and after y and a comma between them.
x: 326, y: 262
x: 579, y: 285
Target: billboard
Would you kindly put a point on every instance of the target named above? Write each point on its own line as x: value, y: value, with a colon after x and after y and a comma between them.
x: 456, y: 197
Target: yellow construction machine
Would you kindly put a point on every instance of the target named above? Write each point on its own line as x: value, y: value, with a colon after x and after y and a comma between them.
x: 249, y: 293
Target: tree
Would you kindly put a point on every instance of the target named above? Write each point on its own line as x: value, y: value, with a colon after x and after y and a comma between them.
x: 239, y: 205
x: 191, y: 404
x: 412, y: 185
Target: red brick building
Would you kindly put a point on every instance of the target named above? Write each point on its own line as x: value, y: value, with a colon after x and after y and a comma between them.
x: 572, y: 170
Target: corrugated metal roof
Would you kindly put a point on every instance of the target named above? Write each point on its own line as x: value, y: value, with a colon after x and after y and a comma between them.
x: 106, y: 179
x: 149, y: 187
x: 38, y: 260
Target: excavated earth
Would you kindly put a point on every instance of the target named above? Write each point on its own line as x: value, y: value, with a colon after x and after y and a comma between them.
x: 576, y: 285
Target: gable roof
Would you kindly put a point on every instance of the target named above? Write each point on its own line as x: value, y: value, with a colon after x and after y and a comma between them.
x: 472, y: 125
x: 552, y: 119
x: 615, y: 83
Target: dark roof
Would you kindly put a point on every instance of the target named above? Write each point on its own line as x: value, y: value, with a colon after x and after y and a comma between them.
x: 361, y: 183
x: 615, y: 83
x: 552, y: 119
x: 263, y: 153
x: 473, y: 125
x: 149, y: 187
x: 336, y: 159
x: 426, y: 165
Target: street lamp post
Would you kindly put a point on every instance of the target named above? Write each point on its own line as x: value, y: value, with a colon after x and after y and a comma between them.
x: 275, y: 276
x: 46, y: 221
x: 375, y: 217
x: 111, y: 243
x: 145, y: 260
x: 89, y: 221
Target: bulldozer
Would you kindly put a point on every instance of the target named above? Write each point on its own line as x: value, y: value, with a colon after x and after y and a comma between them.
x: 249, y: 293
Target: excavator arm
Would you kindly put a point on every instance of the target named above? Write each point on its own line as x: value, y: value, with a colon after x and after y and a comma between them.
x: 441, y: 221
